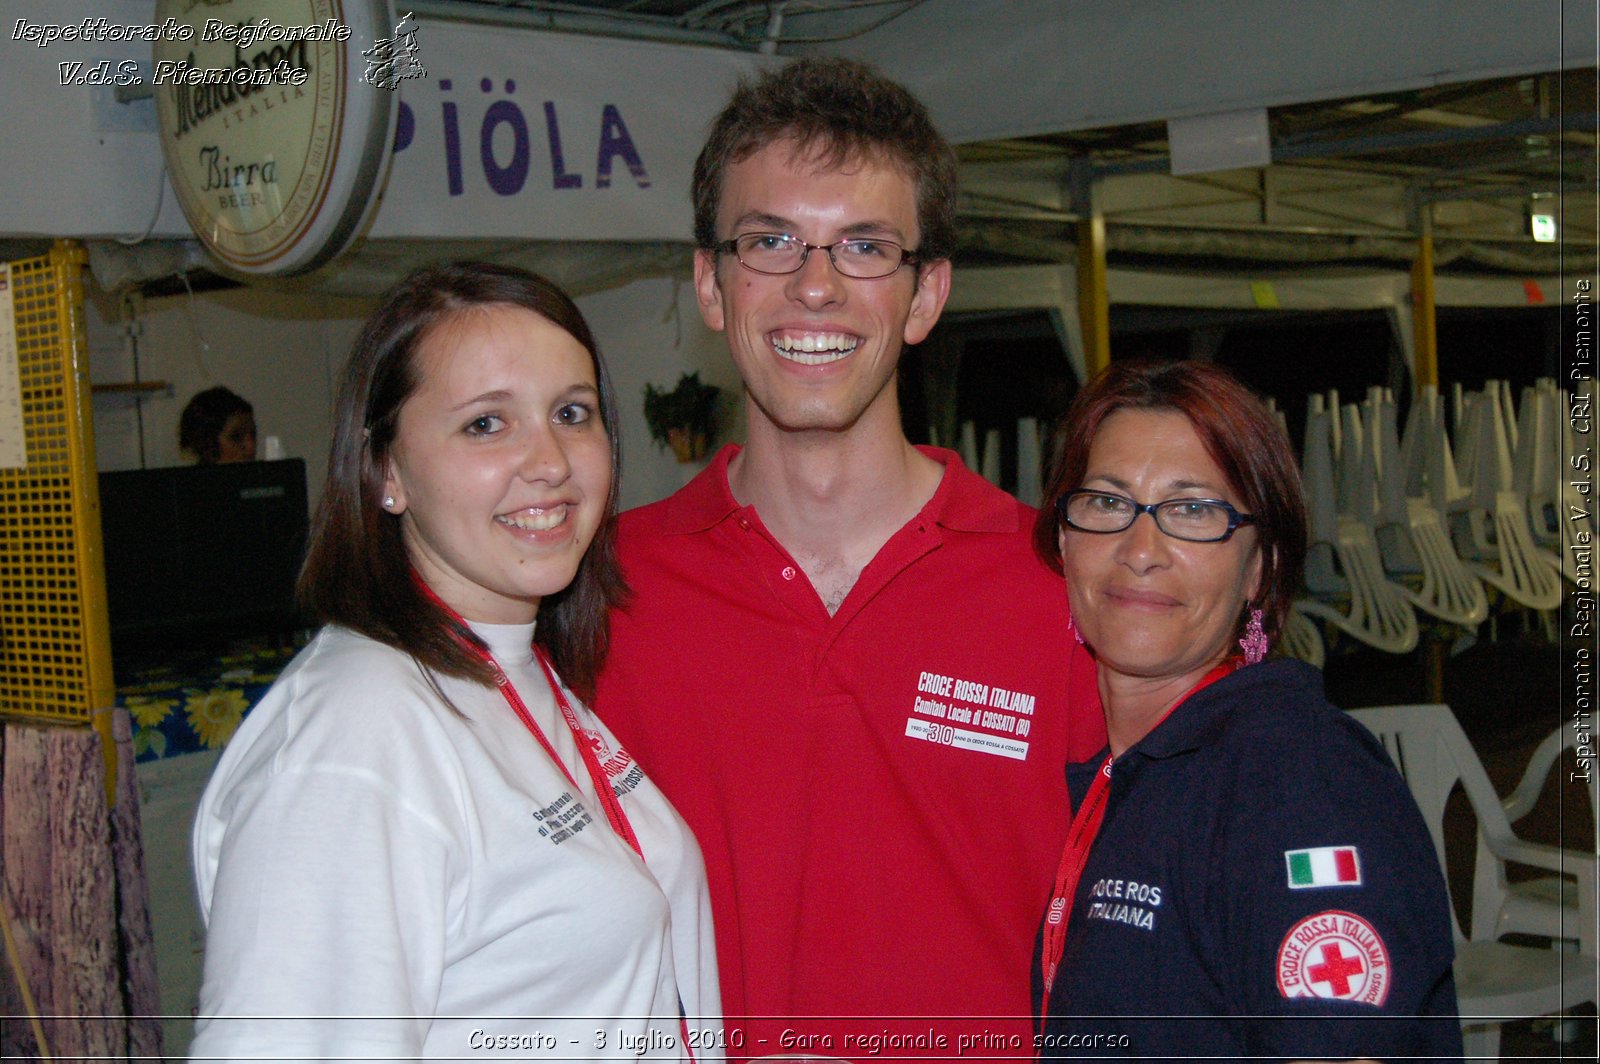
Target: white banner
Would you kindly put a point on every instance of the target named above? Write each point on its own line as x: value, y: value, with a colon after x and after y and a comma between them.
x: 522, y: 134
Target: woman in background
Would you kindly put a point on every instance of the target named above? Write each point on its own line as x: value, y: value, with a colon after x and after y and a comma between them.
x: 218, y: 426
x: 1246, y: 874
x: 421, y: 843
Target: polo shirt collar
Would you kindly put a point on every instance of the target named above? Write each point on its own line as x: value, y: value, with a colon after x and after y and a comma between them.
x: 963, y: 502
x: 1199, y: 721
x: 705, y: 500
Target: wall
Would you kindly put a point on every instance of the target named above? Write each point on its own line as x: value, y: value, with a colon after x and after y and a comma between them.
x: 283, y: 351
x: 650, y: 332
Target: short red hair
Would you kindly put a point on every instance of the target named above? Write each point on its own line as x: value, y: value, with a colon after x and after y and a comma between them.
x: 1239, y: 433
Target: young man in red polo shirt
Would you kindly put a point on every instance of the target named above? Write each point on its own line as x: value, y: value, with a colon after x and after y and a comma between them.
x: 842, y: 661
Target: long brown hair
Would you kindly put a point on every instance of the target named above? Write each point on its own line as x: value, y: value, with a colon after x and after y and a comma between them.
x: 357, y: 571
x: 1239, y: 434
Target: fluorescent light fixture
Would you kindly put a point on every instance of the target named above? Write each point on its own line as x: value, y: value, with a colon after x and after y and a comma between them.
x: 1543, y: 227
x: 1228, y: 140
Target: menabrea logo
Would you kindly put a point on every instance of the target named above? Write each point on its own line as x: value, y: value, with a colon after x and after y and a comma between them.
x: 1334, y: 954
x: 272, y: 156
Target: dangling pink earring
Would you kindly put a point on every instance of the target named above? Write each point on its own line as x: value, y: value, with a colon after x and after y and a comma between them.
x: 1073, y: 628
x: 1254, y: 644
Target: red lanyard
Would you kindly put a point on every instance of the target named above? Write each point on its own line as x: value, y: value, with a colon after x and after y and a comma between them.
x: 615, y: 814
x: 585, y: 743
x: 1080, y: 839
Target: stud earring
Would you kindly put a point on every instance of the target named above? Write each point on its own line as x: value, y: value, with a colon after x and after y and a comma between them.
x: 1254, y: 644
x: 388, y: 502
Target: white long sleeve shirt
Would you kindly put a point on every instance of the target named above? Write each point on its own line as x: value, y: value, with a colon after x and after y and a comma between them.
x: 383, y: 878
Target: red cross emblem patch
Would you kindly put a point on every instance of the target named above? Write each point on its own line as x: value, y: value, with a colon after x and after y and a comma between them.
x: 1334, y: 954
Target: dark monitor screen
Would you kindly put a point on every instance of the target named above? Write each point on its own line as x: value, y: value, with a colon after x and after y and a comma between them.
x: 202, y: 553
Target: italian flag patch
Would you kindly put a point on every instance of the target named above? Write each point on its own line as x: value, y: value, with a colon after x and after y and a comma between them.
x: 1326, y: 866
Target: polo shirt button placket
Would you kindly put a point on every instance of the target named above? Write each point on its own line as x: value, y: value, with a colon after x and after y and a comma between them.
x: 788, y: 572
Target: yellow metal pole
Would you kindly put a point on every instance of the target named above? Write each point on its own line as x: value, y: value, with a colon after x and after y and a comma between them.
x: 67, y: 260
x: 1424, y: 326
x: 1425, y: 340
x: 1094, y: 309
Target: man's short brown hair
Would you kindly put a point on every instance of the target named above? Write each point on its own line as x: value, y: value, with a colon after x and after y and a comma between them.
x: 839, y: 111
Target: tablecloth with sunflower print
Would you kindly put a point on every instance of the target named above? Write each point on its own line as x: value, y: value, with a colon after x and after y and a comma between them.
x: 193, y: 702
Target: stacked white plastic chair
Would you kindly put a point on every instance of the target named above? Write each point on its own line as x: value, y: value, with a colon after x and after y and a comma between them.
x: 1560, y: 516
x: 1344, y: 571
x: 991, y: 457
x: 1535, y: 458
x: 1490, y: 526
x: 1410, y: 528
x: 968, y: 446
x: 1029, y: 466
x: 1571, y: 471
x: 1300, y: 639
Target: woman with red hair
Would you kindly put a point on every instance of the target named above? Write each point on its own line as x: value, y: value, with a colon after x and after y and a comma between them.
x: 1245, y: 874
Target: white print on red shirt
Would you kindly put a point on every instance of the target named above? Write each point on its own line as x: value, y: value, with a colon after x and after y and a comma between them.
x: 969, y: 715
x: 1334, y: 954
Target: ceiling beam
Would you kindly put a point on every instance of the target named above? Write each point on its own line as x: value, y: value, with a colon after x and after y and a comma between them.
x: 569, y: 18
x: 1293, y: 148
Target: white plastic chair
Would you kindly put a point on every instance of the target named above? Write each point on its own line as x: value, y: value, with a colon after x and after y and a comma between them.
x: 968, y: 447
x: 1300, y: 639
x: 1440, y: 583
x: 1377, y: 610
x: 1536, y: 458
x: 1558, y: 513
x: 1411, y: 535
x: 1490, y: 526
x: 1344, y: 571
x: 1322, y: 507
x: 991, y: 457
x: 1495, y: 981
x: 1029, y: 464
x: 1559, y: 907
x: 1426, y: 453
x: 1498, y: 545
x: 1356, y: 482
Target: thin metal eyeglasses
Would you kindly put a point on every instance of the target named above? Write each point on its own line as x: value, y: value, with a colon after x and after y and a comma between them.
x: 863, y: 258
x: 1191, y: 520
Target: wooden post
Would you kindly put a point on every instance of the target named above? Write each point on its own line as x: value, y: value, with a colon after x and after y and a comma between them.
x: 26, y: 875
x: 133, y: 901
x: 84, y: 981
x: 74, y: 892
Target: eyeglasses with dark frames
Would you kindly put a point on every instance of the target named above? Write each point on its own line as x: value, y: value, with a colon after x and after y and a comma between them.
x: 863, y: 258
x: 1191, y: 520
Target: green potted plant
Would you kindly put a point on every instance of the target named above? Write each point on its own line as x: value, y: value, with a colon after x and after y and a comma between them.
x: 685, y: 418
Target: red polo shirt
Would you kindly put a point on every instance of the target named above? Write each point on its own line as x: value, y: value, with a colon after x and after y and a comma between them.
x: 880, y: 794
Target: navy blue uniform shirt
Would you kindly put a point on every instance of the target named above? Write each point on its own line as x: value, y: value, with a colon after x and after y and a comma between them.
x: 1262, y: 886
